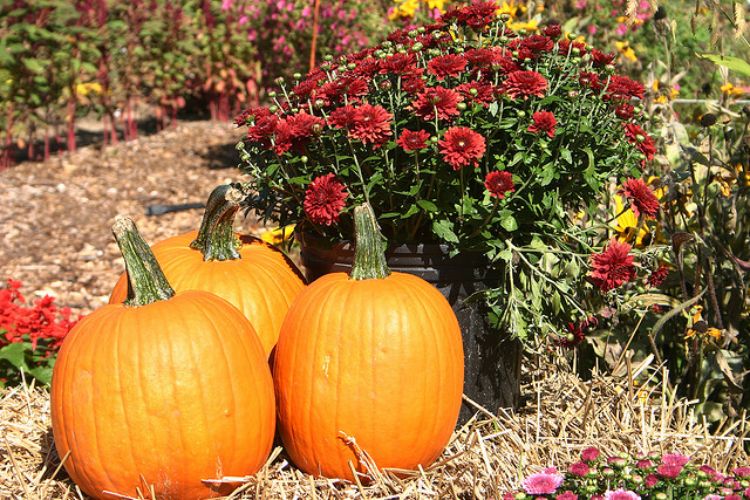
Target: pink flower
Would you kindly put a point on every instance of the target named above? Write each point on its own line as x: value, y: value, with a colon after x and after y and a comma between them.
x: 674, y: 459
x: 651, y: 480
x: 568, y: 495
x: 621, y: 494
x: 644, y: 464
x: 589, y: 454
x: 579, y: 469
x: 542, y: 483
x: 742, y: 472
x: 669, y: 471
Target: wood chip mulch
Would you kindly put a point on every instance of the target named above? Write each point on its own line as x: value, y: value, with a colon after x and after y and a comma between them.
x: 56, y: 216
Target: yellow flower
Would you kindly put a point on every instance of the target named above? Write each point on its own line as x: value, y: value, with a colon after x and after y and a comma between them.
x: 436, y: 4
x: 84, y: 89
x: 628, y: 53
x: 509, y: 8
x: 659, y: 191
x: 738, y: 168
x: 531, y: 25
x: 279, y: 235
x: 404, y: 9
x: 626, y: 224
x: 732, y: 91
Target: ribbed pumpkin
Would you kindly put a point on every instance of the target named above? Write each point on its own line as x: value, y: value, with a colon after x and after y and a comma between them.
x: 250, y: 274
x: 368, y: 362
x: 163, y: 391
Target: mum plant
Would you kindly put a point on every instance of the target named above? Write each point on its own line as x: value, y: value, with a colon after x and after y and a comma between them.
x: 471, y: 135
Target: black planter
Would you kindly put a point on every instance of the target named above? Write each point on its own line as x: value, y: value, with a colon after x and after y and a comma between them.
x: 492, y: 363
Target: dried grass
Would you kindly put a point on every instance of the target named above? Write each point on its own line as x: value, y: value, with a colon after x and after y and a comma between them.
x: 486, y: 457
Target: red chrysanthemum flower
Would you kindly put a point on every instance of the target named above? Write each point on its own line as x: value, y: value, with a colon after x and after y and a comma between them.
x: 461, y: 146
x: 553, y: 30
x: 477, y: 16
x: 437, y: 99
x: 304, y: 88
x: 372, y: 124
x: 624, y: 111
x: 343, y: 117
x: 623, y: 88
x: 537, y: 44
x: 613, y: 267
x: 263, y: 128
x: 642, y: 141
x: 577, y: 333
x: 565, y: 46
x: 590, y: 454
x: 496, y: 58
x: 447, y: 65
x: 324, y: 199
x: 479, y: 92
x: 579, y: 469
x: 295, y: 130
x: 590, y: 80
x: 411, y: 140
x: 399, y: 64
x: 413, y: 84
x: 525, y: 84
x: 601, y: 59
x: 544, y: 121
x: 642, y: 199
x: 669, y: 471
x: 498, y: 183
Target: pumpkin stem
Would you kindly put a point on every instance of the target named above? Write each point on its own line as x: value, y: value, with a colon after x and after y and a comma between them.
x: 369, y: 251
x: 146, y: 281
x: 216, y: 239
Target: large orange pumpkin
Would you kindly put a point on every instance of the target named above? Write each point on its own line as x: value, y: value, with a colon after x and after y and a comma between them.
x: 368, y: 364
x: 250, y: 274
x: 163, y: 391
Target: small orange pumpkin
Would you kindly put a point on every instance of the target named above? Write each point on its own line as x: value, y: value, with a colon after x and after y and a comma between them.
x: 163, y: 391
x: 250, y: 274
x: 368, y: 364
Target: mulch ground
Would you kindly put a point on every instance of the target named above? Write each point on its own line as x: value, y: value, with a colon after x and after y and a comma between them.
x: 56, y: 216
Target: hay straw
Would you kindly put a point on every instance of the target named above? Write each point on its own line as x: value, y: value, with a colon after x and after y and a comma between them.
x: 485, y: 458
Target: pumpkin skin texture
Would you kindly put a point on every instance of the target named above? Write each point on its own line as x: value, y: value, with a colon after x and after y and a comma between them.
x: 262, y: 283
x: 379, y: 360
x: 178, y: 391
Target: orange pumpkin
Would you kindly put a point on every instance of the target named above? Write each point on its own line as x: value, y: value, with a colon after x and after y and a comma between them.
x: 165, y: 390
x: 250, y: 274
x: 368, y: 364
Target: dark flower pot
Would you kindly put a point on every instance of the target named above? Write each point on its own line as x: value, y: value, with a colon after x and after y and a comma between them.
x: 492, y: 363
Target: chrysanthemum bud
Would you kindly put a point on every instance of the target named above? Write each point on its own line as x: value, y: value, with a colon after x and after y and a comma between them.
x: 304, y: 159
x: 473, y: 91
x: 586, y: 57
x: 351, y: 66
x: 461, y: 106
x: 319, y: 103
x: 576, y: 51
x: 521, y: 113
x: 660, y: 496
x: 421, y: 29
x: 572, y: 36
x: 317, y: 128
x: 297, y: 76
x: 412, y: 33
x: 239, y: 146
x: 279, y: 80
x: 387, y: 44
x: 328, y: 57
x: 273, y: 108
x: 437, y: 35
x: 417, y: 47
x: 503, y: 39
x: 272, y: 94
x: 505, y: 17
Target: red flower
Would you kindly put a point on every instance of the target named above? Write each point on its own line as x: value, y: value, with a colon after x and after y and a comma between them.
x: 479, y: 92
x: 412, y: 83
x: 304, y: 88
x: 644, y: 464
x: 601, y: 59
x: 324, y: 199
x: 613, y: 267
x: 567, y: 495
x: 643, y: 142
x: 437, y: 99
x: 294, y: 130
x: 579, y: 469
x: 590, y: 80
x: 477, y: 15
x: 498, y: 183
x: 623, y: 88
x: 413, y: 140
x: 544, y: 121
x: 447, y: 65
x: 399, y: 64
x: 651, y: 480
x: 372, y: 124
x: 537, y: 44
x: 492, y: 57
x: 525, y: 84
x: 343, y: 117
x: 642, y: 199
x: 461, y: 146
x: 564, y: 46
x: 553, y: 30
x: 624, y: 111
x: 576, y: 335
x: 263, y: 128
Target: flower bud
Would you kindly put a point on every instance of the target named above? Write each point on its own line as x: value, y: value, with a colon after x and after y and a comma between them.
x: 421, y: 29
x: 385, y: 85
x: 279, y: 80
x: 505, y: 17
x: 328, y: 57
x: 401, y: 50
x: 576, y: 60
x: 515, y: 54
x: 297, y: 76
x: 295, y: 110
x: 504, y: 39
x: 239, y: 146
x: 576, y: 51
x: 272, y: 94
x: 319, y: 103
x: 387, y: 44
x: 571, y: 338
x: 461, y: 106
x: 591, y: 488
x: 317, y: 128
x: 519, y: 496
x: 608, y: 472
x: 412, y: 33
x: 433, y: 139
x: 351, y: 66
x: 636, y: 479
x: 586, y: 57
x: 245, y: 157
x: 705, y: 484
x: 473, y: 91
x: 689, y: 481
x: 572, y: 36
x: 610, y: 68
x: 417, y: 47
x: 522, y: 32
x: 273, y: 108
x: 660, y: 496
x: 521, y: 113
x: 437, y: 34
x: 303, y: 159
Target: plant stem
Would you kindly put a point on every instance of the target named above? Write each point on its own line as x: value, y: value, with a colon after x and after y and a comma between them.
x: 216, y: 239
x: 369, y: 251
x: 146, y: 281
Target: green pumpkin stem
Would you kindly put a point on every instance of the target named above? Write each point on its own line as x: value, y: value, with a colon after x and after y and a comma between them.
x: 146, y: 281
x: 216, y: 239
x: 369, y: 253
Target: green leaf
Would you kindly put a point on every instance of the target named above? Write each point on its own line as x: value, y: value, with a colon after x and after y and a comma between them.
x: 15, y: 354
x: 427, y: 206
x: 730, y: 62
x: 412, y: 210
x: 444, y: 230
x: 493, y: 108
x: 566, y: 155
x: 508, y: 222
x: 33, y: 65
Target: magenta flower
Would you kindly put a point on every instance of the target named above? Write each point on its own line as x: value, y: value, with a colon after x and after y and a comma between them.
x: 621, y: 495
x: 669, y: 471
x: 742, y: 472
x: 568, y: 495
x: 542, y: 483
x: 579, y: 469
